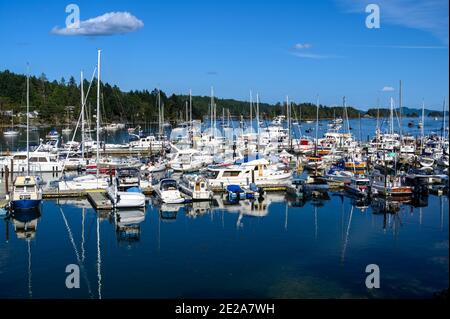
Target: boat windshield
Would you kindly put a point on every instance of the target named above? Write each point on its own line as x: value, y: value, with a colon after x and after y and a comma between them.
x: 125, y: 172
x: 168, y: 185
x: 210, y: 174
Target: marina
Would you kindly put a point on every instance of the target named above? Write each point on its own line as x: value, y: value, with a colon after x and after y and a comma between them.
x: 224, y: 151
x: 344, y: 213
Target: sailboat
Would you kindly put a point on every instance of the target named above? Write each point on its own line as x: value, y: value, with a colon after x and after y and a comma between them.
x: 89, y: 182
x: 11, y: 131
x: 26, y: 193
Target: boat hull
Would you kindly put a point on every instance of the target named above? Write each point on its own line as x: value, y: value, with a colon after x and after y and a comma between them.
x: 25, y: 204
x: 129, y: 200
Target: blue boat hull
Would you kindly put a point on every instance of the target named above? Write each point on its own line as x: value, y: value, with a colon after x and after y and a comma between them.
x: 25, y: 204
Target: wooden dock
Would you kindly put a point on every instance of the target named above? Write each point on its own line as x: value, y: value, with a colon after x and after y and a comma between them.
x: 55, y: 193
x: 99, y: 200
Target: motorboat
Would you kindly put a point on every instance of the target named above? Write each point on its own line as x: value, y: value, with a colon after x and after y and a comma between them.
x: 148, y: 143
x: 10, y: 132
x: 87, y: 182
x: 114, y: 127
x: 314, y: 163
x: 168, y: 192
x: 260, y: 172
x: 52, y: 135
x: 131, y: 198
x: 26, y: 193
x: 196, y: 187
x: 389, y: 185
x: 190, y: 160
x: 426, y: 161
x: 359, y: 186
x: 38, y: 162
x: 338, y: 176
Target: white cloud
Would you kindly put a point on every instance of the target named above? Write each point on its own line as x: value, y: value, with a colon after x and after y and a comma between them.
x: 429, y: 16
x: 107, y: 24
x: 313, y: 56
x: 297, y: 50
x: 388, y: 89
x: 411, y: 47
x: 300, y: 46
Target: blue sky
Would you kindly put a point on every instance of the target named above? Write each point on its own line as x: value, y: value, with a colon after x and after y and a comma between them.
x: 277, y: 48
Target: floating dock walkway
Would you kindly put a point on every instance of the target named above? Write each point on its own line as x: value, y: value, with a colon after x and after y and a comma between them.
x: 100, y: 201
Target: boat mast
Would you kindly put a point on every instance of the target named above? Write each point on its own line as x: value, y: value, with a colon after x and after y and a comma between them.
x: 191, y: 124
x: 443, y: 121
x: 344, y: 102
x: 317, y: 124
x: 211, y: 111
x: 251, y: 112
x: 28, y: 119
x: 82, y: 114
x: 190, y: 107
x: 392, y: 116
x: 98, y: 111
x: 378, y: 115
x: 400, y: 101
x: 257, y: 116
x: 423, y: 121
x: 300, y: 119
x: 223, y: 117
x: 288, y: 117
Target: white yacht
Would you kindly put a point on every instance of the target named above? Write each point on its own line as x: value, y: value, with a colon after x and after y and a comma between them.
x: 38, y: 162
x: 167, y: 191
x: 125, y: 199
x: 189, y: 160
x: 388, y: 185
x: 146, y: 143
x: 260, y: 172
x: 195, y: 187
x: 88, y: 182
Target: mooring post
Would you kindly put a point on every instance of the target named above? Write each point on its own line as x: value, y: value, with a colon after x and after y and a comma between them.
x: 12, y: 170
x: 6, y: 180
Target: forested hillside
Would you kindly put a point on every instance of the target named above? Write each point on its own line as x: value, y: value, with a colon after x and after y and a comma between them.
x: 51, y: 99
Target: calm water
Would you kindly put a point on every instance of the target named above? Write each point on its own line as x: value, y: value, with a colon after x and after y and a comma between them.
x: 275, y: 249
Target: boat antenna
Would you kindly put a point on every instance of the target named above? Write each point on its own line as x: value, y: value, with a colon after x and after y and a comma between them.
x: 98, y: 110
x: 443, y: 120
x: 400, y: 101
x: 28, y: 119
x: 317, y: 123
x: 82, y: 113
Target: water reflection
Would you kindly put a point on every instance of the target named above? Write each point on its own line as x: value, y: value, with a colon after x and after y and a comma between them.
x: 25, y: 226
x: 128, y: 225
x: 322, y: 233
x: 25, y: 223
x: 169, y: 212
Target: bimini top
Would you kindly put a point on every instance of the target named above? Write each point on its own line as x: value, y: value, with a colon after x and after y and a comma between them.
x: 25, y: 181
